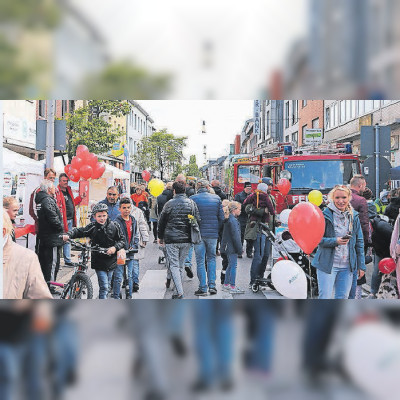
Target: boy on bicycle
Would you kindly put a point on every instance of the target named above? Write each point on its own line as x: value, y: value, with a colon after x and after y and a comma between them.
x: 130, y: 232
x: 104, y: 233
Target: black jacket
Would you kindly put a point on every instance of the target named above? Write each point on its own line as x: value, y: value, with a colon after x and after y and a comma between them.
x: 173, y: 225
x: 162, y: 199
x: 190, y: 191
x: 392, y: 210
x: 106, y: 236
x: 381, y: 236
x: 134, y: 243
x: 241, y: 197
x: 218, y: 191
x: 51, y: 225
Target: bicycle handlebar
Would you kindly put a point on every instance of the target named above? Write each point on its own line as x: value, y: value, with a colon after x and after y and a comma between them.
x: 83, y: 246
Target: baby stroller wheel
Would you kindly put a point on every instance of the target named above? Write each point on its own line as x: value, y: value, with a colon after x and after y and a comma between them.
x: 255, y: 287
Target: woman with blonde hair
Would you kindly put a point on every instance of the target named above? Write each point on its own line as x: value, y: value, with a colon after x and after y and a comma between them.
x: 341, y: 250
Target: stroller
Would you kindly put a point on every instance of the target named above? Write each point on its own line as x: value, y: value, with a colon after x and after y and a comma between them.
x: 289, y: 253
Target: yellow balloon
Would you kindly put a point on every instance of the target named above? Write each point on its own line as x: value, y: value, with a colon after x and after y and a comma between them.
x: 315, y: 197
x: 156, y: 187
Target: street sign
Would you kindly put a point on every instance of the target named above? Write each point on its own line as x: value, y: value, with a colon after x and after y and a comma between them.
x: 41, y: 125
x: 313, y: 136
x: 368, y: 141
x: 369, y: 171
x: 60, y: 132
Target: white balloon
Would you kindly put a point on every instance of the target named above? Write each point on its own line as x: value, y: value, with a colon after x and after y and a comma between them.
x: 284, y: 216
x: 289, y: 279
x: 372, y: 358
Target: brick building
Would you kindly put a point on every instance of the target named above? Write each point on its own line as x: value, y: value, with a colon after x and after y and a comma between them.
x: 311, y: 116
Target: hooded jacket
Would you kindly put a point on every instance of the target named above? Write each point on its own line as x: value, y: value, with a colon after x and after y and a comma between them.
x: 50, y: 220
x: 106, y: 236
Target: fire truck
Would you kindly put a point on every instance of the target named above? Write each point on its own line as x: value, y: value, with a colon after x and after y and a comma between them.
x: 307, y: 168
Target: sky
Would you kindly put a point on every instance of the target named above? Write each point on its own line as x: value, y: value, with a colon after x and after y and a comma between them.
x: 224, y: 120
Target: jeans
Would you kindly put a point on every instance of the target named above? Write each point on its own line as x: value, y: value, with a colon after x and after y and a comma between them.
x: 376, y: 276
x: 340, y: 280
x: 352, y: 294
x: 230, y: 275
x: 132, y: 271
x: 258, y: 272
x: 10, y: 365
x: 259, y: 249
x: 117, y: 281
x: 104, y: 278
x: 206, y: 249
x: 188, y: 261
x: 67, y: 246
x: 177, y: 253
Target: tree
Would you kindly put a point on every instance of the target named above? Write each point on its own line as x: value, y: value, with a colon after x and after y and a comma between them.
x: 86, y: 126
x: 161, y: 151
x: 192, y: 168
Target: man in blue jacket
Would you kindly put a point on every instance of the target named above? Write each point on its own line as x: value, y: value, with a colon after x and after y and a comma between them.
x: 112, y: 203
x: 212, y: 218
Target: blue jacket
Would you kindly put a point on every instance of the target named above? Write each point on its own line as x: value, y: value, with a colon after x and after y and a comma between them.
x: 134, y: 243
x: 231, y: 242
x: 323, y: 259
x: 113, y: 210
x: 211, y: 213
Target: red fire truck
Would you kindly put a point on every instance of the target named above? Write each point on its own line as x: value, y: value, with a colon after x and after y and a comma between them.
x: 307, y: 168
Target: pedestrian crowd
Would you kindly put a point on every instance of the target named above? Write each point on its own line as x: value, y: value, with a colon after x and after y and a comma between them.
x: 189, y: 219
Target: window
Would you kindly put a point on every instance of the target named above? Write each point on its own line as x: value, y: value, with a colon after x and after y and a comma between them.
x: 71, y: 106
x: 315, y: 123
x: 287, y: 138
x: 369, y: 105
x: 342, y: 111
x: 268, y: 122
x: 294, y: 111
x: 63, y: 107
x: 303, y: 131
x: 376, y: 103
x: 287, y: 114
x: 336, y: 111
x: 248, y: 173
x: 294, y: 138
x: 327, y: 118
x: 361, y: 107
x: 42, y: 108
x: 304, y: 103
x: 348, y: 110
x: 353, y: 109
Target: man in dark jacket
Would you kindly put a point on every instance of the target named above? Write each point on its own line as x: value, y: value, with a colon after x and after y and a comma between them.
x: 190, y: 189
x: 241, y: 197
x: 163, y: 198
x: 174, y: 230
x: 392, y: 210
x: 106, y: 234
x: 112, y: 203
x: 212, y: 218
x: 218, y: 191
x: 51, y: 228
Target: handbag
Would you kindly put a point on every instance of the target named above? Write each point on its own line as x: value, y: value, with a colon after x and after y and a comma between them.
x: 195, y: 235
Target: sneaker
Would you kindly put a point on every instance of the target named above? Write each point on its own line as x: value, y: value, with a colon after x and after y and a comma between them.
x: 249, y: 255
x: 226, y: 288
x: 212, y: 290
x: 128, y: 297
x: 236, y: 290
x: 200, y: 292
x: 60, y: 268
x: 168, y: 283
x: 240, y: 256
x: 135, y: 287
x: 189, y: 272
x: 371, y: 296
x: 68, y: 264
x: 177, y: 296
x: 222, y: 277
x: 54, y: 291
x: 155, y: 241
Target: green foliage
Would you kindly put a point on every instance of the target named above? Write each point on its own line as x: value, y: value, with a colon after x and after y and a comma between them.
x: 192, y: 169
x: 161, y: 151
x: 178, y: 169
x: 90, y: 129
x: 127, y: 80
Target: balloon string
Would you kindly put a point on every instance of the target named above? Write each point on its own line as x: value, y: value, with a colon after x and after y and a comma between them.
x: 310, y: 276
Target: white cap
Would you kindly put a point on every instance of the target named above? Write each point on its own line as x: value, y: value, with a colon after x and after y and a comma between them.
x: 263, y: 187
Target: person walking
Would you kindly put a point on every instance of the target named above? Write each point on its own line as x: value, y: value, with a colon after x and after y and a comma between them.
x: 341, y: 250
x: 212, y: 218
x: 106, y: 234
x: 231, y: 245
x: 130, y: 232
x: 67, y: 203
x: 51, y: 228
x: 215, y: 185
x: 392, y: 210
x: 153, y: 215
x: 174, y: 228
x: 241, y: 197
x: 10, y: 204
x: 144, y: 237
x: 112, y: 203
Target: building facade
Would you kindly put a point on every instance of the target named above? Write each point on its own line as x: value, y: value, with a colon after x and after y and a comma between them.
x: 311, y: 116
x: 291, y: 121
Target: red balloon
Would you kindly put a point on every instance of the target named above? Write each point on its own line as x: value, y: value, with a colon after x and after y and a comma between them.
x: 98, y: 170
x: 307, y: 226
x: 387, y: 265
x: 284, y: 186
x: 67, y: 169
x: 81, y: 150
x: 146, y: 175
x: 77, y: 162
x: 74, y: 175
x: 86, y: 172
x: 91, y: 159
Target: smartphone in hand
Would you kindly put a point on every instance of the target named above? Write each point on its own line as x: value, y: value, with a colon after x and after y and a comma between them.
x: 346, y: 237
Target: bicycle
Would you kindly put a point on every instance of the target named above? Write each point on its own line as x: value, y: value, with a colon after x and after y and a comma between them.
x: 79, y: 286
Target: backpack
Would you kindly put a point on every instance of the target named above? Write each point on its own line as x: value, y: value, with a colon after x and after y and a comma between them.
x: 388, y: 288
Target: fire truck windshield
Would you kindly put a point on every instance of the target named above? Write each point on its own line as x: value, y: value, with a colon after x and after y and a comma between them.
x: 248, y: 173
x: 321, y: 174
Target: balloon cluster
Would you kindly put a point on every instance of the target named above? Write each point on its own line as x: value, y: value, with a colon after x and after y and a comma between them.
x: 84, y: 165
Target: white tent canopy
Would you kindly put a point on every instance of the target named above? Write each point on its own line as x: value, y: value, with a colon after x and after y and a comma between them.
x: 19, y: 163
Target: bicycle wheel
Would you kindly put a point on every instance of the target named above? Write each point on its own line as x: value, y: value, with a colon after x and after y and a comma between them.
x: 81, y: 287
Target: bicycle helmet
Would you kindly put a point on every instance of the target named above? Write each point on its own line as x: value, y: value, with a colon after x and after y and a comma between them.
x: 99, y: 207
x: 267, y: 181
x: 383, y: 196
